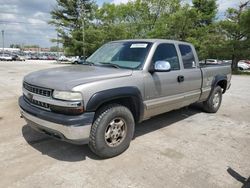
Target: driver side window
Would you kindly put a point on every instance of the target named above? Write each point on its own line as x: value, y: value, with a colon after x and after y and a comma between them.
x: 167, y: 52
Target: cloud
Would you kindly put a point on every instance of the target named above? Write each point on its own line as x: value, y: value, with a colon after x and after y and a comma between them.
x: 225, y: 4
x: 119, y: 1
x: 25, y: 22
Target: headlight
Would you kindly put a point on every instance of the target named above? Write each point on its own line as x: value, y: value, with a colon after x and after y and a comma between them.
x: 67, y: 96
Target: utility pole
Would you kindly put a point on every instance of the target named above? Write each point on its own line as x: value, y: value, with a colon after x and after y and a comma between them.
x: 57, y: 46
x: 83, y: 29
x: 3, y: 40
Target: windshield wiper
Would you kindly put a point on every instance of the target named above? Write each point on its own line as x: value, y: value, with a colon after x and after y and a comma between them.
x: 109, y: 65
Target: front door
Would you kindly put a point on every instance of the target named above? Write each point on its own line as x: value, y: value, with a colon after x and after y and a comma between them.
x: 165, y: 91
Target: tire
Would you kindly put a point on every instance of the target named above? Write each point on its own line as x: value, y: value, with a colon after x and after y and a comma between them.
x: 213, y: 102
x: 112, y: 131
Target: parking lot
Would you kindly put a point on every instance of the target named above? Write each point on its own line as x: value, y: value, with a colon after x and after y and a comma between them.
x: 185, y: 148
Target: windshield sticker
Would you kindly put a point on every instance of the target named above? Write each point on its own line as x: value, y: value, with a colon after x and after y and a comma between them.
x: 139, y: 45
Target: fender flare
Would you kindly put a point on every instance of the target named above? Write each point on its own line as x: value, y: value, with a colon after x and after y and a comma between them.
x: 105, y: 96
x: 219, y: 78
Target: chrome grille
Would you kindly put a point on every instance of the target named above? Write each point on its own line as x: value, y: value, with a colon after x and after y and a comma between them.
x: 38, y: 90
x: 37, y: 103
x: 32, y: 90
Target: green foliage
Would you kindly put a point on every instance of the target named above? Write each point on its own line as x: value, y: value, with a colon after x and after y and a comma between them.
x: 15, y: 46
x: 236, y: 29
x: 237, y: 72
x: 224, y: 39
x: 70, y: 17
x: 206, y: 9
x: 31, y: 46
x: 55, y: 49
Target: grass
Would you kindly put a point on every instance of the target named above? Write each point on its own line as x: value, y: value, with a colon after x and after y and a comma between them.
x: 238, y: 72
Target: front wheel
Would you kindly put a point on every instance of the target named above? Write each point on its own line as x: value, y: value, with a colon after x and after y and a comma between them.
x: 112, y: 131
x: 213, y: 102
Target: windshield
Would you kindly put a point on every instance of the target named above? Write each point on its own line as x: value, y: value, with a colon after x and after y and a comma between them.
x: 130, y: 55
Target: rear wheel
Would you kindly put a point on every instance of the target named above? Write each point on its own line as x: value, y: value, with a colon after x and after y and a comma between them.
x: 213, y: 102
x: 112, y: 131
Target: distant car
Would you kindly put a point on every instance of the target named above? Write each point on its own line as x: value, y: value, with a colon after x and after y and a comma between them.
x: 79, y: 60
x: 73, y: 59
x: 213, y: 61
x: 63, y: 58
x: 34, y: 57
x: 44, y: 57
x: 227, y: 61
x: 18, y: 58
x: 243, y: 66
x: 245, y: 61
x: 51, y: 58
x: 28, y: 57
x: 248, y: 62
x: 6, y: 57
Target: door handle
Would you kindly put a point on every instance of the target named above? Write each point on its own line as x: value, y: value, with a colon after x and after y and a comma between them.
x: 180, y: 78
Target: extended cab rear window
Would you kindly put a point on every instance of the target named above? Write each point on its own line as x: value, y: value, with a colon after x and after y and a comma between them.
x: 187, y: 56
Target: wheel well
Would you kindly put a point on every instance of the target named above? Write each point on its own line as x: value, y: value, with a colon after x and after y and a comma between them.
x: 223, y: 85
x: 128, y: 102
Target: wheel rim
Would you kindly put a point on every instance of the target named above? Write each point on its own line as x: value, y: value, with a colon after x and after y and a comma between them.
x: 115, y: 132
x: 216, y: 100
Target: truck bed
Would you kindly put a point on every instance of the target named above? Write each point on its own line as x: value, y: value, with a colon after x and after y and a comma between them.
x: 210, y: 72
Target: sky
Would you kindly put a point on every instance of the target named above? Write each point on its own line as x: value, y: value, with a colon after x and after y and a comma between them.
x: 24, y: 22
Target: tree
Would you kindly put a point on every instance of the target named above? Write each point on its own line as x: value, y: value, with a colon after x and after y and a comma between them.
x: 15, y: 46
x: 237, y: 32
x: 31, y: 46
x: 83, y: 26
x: 70, y: 18
x: 55, y: 49
x: 180, y: 25
x: 207, y: 10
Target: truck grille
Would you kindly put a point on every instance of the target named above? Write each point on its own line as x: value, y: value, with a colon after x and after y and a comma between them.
x: 38, y: 90
x: 37, y: 103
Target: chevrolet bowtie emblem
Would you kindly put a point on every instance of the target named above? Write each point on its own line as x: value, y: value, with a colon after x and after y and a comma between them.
x: 30, y: 96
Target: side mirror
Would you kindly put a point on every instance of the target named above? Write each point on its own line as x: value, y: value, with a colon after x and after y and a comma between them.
x: 162, y: 66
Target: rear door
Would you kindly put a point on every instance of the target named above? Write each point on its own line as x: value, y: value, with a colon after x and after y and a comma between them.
x: 191, y: 73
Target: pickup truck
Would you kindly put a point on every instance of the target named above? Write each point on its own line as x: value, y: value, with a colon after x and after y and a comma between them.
x: 123, y: 83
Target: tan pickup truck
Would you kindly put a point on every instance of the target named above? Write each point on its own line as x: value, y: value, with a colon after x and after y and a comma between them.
x: 123, y: 83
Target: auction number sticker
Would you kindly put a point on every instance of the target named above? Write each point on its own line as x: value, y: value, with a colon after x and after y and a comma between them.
x: 139, y: 45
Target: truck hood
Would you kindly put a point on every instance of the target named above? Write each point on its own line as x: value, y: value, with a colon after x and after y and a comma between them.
x: 67, y: 77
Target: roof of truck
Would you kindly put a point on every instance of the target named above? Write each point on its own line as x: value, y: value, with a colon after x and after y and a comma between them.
x: 152, y: 40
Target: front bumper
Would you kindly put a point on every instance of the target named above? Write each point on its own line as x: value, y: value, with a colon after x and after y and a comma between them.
x: 74, y: 129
